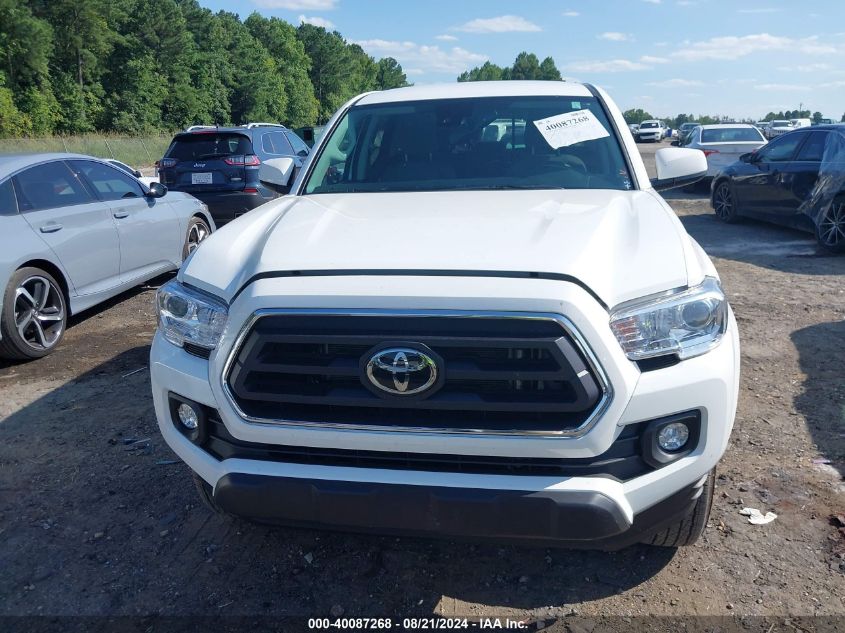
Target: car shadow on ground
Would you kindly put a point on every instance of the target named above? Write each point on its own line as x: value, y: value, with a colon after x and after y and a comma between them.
x: 822, y: 401
x: 762, y: 244
x: 89, y: 491
x: 99, y: 309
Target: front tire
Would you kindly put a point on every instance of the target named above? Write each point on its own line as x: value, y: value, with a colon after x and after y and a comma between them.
x: 724, y: 203
x: 688, y: 529
x: 34, y: 315
x: 198, y: 230
x: 830, y: 231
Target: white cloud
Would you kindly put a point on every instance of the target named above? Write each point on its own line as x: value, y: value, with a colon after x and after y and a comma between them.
x: 650, y: 59
x: 760, y: 10
x: 570, y: 14
x: 501, y: 24
x: 606, y: 66
x: 806, y: 68
x: 615, y: 36
x: 653, y: 1
x: 298, y: 5
x: 316, y: 21
x: 679, y: 83
x: 423, y: 58
x: 731, y: 47
x: 446, y: 38
x: 782, y: 87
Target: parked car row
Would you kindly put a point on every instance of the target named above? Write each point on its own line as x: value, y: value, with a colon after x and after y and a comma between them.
x: 780, y: 182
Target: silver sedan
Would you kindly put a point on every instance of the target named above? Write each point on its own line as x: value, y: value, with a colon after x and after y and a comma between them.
x: 75, y: 231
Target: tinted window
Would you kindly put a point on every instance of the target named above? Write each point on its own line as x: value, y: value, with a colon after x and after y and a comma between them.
x: 49, y: 186
x: 8, y: 204
x: 480, y: 143
x: 205, y: 145
x: 110, y: 183
x: 276, y: 143
x: 648, y: 125
x: 780, y: 149
x: 813, y: 149
x: 731, y: 135
x: 299, y: 145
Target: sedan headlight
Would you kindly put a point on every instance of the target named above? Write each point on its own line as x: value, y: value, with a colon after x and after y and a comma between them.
x: 687, y: 323
x: 186, y: 315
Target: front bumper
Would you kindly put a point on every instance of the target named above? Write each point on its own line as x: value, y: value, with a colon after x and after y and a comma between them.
x: 574, y: 518
x: 593, y: 511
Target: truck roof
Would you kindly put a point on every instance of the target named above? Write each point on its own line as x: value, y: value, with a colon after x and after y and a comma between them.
x: 469, y: 89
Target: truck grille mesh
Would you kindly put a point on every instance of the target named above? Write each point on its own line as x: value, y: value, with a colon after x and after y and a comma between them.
x: 501, y: 374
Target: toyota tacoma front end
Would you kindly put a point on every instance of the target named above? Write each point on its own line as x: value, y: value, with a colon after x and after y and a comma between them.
x: 473, y: 316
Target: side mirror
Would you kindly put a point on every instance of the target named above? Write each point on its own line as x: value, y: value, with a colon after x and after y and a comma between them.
x: 137, y: 173
x: 157, y: 190
x: 746, y: 158
x: 277, y: 171
x: 678, y: 167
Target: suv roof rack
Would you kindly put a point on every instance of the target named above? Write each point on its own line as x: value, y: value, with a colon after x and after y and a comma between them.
x: 200, y: 127
x: 249, y: 126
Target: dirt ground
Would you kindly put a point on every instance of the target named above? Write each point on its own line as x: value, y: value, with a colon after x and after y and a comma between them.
x: 96, y: 517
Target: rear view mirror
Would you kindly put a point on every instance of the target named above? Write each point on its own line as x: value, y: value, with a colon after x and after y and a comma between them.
x: 277, y: 172
x: 157, y: 190
x: 678, y: 167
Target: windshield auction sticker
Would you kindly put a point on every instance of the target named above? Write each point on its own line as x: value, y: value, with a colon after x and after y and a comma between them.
x: 573, y: 127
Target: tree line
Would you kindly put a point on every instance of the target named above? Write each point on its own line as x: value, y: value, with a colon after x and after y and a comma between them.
x: 525, y: 66
x: 136, y: 66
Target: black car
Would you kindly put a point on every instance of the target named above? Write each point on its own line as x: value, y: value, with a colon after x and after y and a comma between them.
x: 231, y: 168
x: 780, y: 183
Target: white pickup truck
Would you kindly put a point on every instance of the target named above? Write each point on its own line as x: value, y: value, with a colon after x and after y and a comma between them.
x: 443, y: 331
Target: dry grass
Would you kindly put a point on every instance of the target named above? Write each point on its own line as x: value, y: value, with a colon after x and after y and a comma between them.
x: 140, y: 151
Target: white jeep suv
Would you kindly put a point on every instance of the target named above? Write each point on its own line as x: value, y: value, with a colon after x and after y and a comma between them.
x: 446, y: 331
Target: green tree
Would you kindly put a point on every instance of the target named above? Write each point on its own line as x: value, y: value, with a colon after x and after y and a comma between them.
x: 525, y: 66
x: 548, y: 70
x: 817, y: 117
x: 292, y: 66
x: 842, y: 120
x: 390, y: 74
x: 486, y: 72
x: 636, y: 116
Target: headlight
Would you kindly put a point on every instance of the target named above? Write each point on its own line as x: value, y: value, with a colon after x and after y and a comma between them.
x: 687, y: 323
x: 186, y: 315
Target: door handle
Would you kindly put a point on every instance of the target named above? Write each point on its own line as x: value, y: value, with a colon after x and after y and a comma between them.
x: 121, y: 214
x: 51, y: 228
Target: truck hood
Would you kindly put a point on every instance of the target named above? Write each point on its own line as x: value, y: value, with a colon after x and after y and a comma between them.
x: 620, y: 244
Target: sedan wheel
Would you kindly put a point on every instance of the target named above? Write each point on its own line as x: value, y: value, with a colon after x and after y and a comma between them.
x: 831, y: 230
x: 198, y: 230
x: 724, y: 205
x: 34, y: 315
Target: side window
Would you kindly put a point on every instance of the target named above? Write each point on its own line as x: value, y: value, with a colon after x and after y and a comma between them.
x: 780, y: 149
x: 813, y: 149
x: 109, y: 182
x: 299, y: 145
x: 8, y: 203
x: 267, y: 144
x: 49, y: 186
x: 280, y: 142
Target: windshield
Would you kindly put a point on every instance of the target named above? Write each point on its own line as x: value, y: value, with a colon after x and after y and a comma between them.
x: 780, y: 123
x: 648, y: 125
x: 731, y: 135
x: 477, y: 143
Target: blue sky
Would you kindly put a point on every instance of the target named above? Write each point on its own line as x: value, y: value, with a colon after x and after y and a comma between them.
x: 736, y: 58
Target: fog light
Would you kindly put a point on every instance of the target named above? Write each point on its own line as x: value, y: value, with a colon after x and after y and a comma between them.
x: 187, y: 416
x: 673, y: 436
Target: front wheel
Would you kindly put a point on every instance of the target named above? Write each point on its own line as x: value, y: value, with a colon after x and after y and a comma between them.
x: 198, y: 230
x: 34, y: 315
x: 687, y: 529
x: 830, y: 231
x: 724, y: 204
